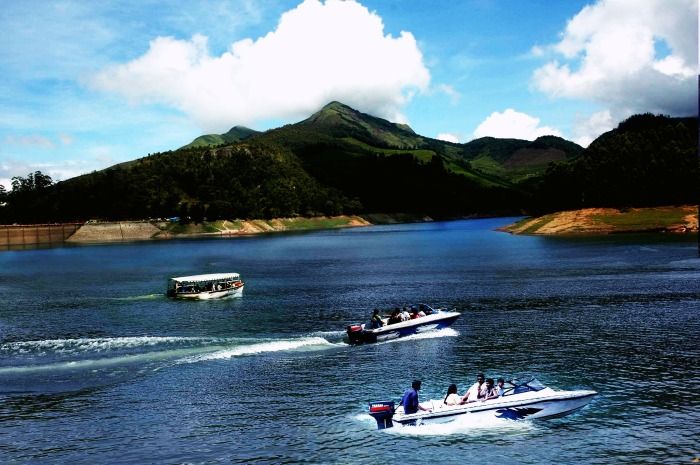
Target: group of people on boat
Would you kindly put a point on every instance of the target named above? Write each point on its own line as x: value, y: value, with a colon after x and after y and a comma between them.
x: 204, y: 287
x: 482, y: 390
x: 399, y: 315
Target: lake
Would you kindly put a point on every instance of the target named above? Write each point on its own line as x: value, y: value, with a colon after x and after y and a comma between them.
x: 98, y: 366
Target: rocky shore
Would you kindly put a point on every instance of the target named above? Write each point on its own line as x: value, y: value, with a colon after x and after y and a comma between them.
x: 93, y: 232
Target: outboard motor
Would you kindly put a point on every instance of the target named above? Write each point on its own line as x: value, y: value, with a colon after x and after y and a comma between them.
x: 355, y: 334
x: 383, y: 413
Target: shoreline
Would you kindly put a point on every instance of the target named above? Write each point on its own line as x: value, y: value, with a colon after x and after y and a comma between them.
x: 603, y: 221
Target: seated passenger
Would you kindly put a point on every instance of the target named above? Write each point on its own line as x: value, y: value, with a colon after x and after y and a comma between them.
x: 395, y: 317
x: 405, y: 316
x: 490, y: 392
x: 499, y: 387
x: 376, y: 320
x: 452, y: 398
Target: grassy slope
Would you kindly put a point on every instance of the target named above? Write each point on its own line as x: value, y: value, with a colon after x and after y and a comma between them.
x: 610, y: 220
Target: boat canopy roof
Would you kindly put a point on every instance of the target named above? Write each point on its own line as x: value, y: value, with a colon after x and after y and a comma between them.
x: 207, y: 277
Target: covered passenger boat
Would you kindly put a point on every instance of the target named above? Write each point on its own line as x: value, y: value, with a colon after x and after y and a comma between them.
x: 418, y: 319
x: 206, y: 286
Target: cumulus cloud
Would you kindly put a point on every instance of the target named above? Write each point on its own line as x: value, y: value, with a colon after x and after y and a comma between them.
x: 513, y: 124
x: 629, y: 56
x: 319, y: 52
x: 587, y: 129
x: 447, y: 137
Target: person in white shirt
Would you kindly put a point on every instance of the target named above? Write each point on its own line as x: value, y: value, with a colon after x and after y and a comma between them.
x: 499, y: 387
x: 475, y: 391
x: 452, y: 398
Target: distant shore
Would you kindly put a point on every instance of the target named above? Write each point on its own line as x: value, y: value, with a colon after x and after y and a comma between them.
x: 92, y: 231
x: 591, y: 221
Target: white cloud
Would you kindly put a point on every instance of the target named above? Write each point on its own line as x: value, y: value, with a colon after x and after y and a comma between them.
x: 587, y: 129
x: 447, y: 137
x: 613, y: 54
x: 319, y: 52
x: 513, y: 124
x: 450, y: 91
x: 33, y: 140
x: 58, y: 170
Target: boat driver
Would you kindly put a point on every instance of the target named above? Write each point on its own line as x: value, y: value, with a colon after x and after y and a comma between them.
x: 376, y: 320
x: 410, y: 399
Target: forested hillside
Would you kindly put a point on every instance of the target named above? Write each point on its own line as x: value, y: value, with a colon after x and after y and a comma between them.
x: 647, y: 160
x: 341, y: 161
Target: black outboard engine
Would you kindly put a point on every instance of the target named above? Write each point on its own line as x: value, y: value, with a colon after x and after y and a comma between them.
x: 383, y: 413
x: 355, y: 334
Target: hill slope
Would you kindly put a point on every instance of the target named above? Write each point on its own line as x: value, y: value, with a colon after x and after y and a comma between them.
x: 341, y: 161
x: 235, y: 134
x: 647, y: 160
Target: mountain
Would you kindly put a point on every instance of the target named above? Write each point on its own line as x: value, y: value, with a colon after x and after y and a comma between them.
x: 235, y: 134
x: 340, y: 160
x: 647, y: 160
x: 516, y: 159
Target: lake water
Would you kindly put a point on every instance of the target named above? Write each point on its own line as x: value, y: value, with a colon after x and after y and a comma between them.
x: 97, y: 366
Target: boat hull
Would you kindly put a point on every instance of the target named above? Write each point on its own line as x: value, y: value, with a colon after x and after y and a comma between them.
x: 433, y: 322
x: 536, y: 405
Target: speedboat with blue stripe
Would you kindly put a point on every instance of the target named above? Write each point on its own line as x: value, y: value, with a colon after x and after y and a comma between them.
x: 432, y: 320
x: 522, y: 401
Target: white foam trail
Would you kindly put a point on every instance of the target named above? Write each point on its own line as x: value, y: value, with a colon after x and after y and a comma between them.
x: 466, y: 424
x: 445, y: 332
x: 263, y: 347
x: 72, y: 346
x: 324, y: 334
x: 93, y: 364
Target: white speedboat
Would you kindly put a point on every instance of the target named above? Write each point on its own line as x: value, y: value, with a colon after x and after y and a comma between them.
x: 527, y: 400
x: 426, y: 319
x: 206, y: 286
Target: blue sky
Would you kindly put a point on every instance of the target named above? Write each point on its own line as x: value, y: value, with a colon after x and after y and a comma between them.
x: 85, y: 85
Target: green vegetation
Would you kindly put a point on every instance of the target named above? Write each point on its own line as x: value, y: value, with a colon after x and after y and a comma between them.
x: 341, y: 161
x: 235, y: 134
x: 647, y: 160
x: 657, y: 218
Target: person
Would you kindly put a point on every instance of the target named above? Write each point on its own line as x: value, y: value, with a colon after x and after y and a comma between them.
x: 410, y: 399
x: 452, y: 398
x: 499, y: 387
x: 377, y: 321
x: 474, y: 392
x: 404, y: 315
x: 395, y: 317
x: 490, y: 391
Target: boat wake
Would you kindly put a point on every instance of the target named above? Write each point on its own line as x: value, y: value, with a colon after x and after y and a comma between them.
x: 298, y: 344
x: 467, y: 425
x: 144, y: 352
x: 445, y: 332
x: 137, y: 297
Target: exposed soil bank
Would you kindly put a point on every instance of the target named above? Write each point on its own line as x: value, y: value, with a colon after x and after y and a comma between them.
x: 676, y: 219
x: 146, y: 230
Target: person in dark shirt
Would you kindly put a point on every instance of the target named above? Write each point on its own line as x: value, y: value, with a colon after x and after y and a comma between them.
x: 410, y: 399
x: 395, y: 317
x: 377, y: 321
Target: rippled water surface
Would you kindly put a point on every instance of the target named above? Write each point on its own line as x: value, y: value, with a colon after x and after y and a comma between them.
x: 97, y: 366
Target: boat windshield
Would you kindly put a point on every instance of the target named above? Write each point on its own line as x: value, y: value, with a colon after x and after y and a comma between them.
x: 520, y: 386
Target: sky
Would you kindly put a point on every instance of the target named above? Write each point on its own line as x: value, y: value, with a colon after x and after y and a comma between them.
x: 85, y: 85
